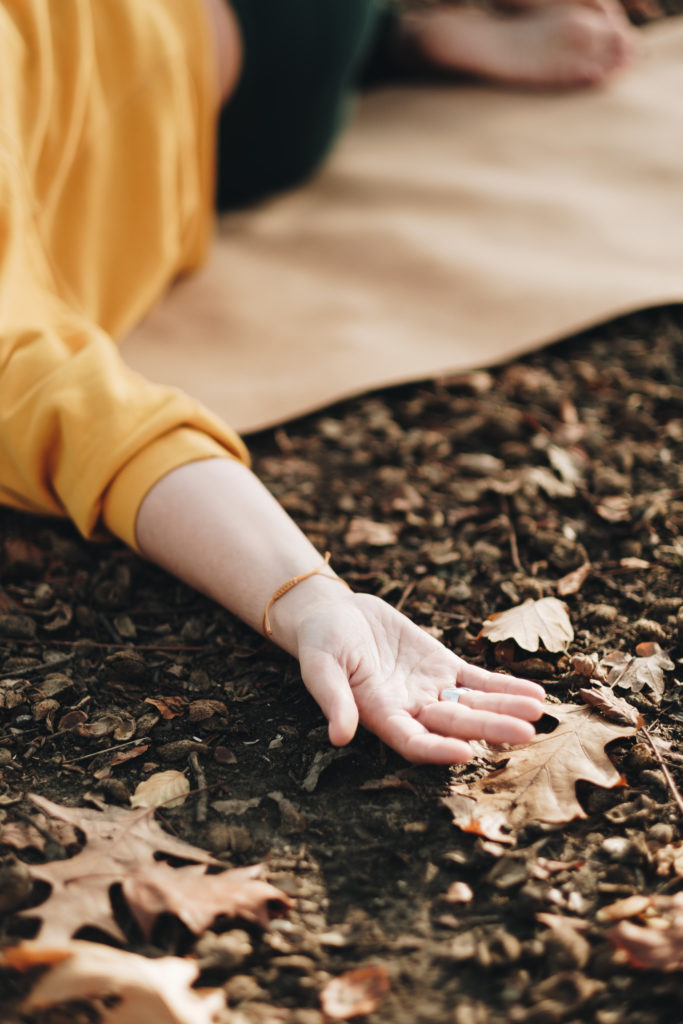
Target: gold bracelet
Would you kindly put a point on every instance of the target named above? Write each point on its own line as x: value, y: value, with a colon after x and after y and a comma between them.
x: 286, y: 587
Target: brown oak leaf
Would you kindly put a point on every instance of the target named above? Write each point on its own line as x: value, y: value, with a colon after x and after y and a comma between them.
x: 155, y: 991
x: 531, y: 624
x: 120, y: 848
x: 538, y: 783
x: 634, y: 674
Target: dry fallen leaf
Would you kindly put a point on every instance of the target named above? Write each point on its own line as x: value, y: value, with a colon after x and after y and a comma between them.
x: 169, y: 788
x: 355, y: 993
x: 573, y: 581
x: 154, y: 991
x: 22, y: 836
x: 534, y: 622
x: 197, y: 898
x: 657, y: 944
x: 634, y: 674
x: 120, y: 848
x: 614, y: 708
x: 539, y: 780
x: 168, y: 707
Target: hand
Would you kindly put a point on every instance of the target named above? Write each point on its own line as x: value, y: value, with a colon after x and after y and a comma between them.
x: 364, y: 661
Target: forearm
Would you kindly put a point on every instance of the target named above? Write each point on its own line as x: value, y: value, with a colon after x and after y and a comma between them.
x: 214, y: 525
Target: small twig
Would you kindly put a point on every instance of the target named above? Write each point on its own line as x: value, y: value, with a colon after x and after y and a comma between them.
x: 26, y: 673
x: 512, y: 538
x: 673, y: 788
x: 107, y: 750
x: 201, y: 807
x: 405, y: 595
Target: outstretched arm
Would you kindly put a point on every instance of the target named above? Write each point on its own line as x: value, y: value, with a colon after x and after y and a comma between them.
x: 214, y: 525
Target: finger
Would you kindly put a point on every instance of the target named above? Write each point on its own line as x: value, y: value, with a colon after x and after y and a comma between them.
x: 475, y: 723
x: 328, y: 684
x: 527, y: 708
x: 497, y: 682
x: 410, y: 739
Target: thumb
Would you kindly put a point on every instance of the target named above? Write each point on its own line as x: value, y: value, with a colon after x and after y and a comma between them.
x: 329, y: 686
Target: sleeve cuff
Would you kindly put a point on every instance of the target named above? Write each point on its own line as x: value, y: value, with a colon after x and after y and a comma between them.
x: 128, y: 489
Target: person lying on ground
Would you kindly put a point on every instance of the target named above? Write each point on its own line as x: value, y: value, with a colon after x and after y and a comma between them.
x: 113, y: 117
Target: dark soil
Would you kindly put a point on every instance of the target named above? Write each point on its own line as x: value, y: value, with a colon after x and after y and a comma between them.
x: 369, y: 867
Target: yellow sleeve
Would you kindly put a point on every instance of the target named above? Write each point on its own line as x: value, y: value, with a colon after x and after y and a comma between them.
x: 81, y: 434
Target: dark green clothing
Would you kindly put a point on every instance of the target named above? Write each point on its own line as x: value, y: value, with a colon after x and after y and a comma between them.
x: 302, y: 62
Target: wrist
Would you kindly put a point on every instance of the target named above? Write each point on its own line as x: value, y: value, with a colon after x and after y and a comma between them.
x: 285, y: 613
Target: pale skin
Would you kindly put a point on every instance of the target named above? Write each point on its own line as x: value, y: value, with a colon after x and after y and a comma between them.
x: 214, y: 525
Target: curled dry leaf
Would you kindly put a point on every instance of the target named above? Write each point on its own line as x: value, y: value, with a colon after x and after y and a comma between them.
x: 620, y: 910
x: 539, y: 780
x: 614, y: 708
x: 168, y: 707
x: 614, y: 508
x: 635, y: 674
x: 657, y: 944
x: 155, y: 991
x: 586, y: 665
x: 529, y: 624
x: 169, y: 788
x: 355, y: 993
x: 573, y: 581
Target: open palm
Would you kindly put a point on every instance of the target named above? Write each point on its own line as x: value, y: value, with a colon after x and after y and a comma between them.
x: 363, y: 660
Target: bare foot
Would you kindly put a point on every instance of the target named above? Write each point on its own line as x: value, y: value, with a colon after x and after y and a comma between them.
x: 561, y: 44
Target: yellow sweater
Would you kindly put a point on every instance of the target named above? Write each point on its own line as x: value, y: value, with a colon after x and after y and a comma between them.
x: 107, y: 125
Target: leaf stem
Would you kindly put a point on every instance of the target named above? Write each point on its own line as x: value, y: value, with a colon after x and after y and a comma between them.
x: 678, y: 799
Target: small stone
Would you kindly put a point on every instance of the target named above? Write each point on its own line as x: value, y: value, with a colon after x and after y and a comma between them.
x: 115, y: 791
x: 654, y: 777
x: 126, y: 665
x: 463, y: 947
x: 243, y: 987
x: 566, y: 949
x: 239, y: 839
x: 661, y: 833
x: 665, y: 606
x: 17, y: 627
x: 5, y: 756
x: 641, y: 757
x: 15, y: 886
x: 179, y: 750
x: 306, y: 1016
x: 648, y: 629
x: 218, y: 837
x: 603, y: 614
x: 460, y: 591
x: 224, y: 952
x: 617, y: 848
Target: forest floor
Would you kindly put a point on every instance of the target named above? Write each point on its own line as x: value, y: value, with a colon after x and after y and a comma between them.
x: 489, y: 489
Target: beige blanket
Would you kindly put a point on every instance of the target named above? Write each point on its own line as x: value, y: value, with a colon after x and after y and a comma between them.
x: 453, y: 228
